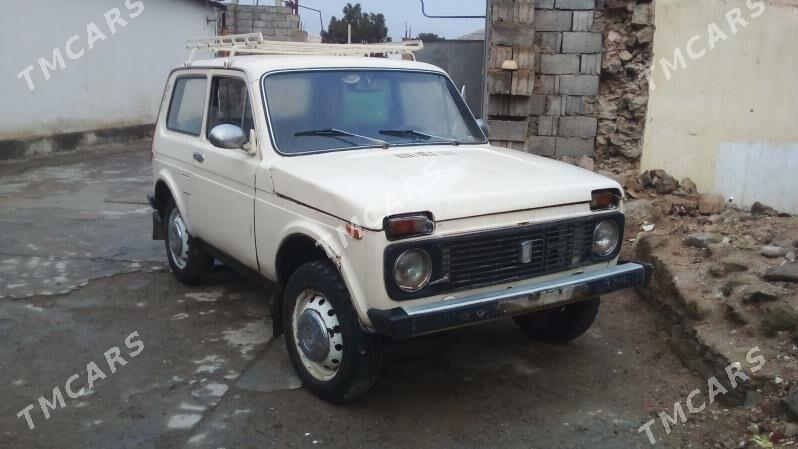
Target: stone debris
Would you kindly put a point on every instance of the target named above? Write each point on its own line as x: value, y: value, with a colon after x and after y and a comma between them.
x: 790, y: 403
x: 785, y: 273
x: 761, y: 209
x: 711, y: 204
x: 780, y: 316
x: 702, y: 239
x: 623, y: 94
x: 773, y: 252
x: 723, y: 269
x: 728, y: 279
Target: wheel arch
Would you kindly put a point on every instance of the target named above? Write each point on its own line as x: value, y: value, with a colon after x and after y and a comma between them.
x: 166, y: 189
x: 295, y: 250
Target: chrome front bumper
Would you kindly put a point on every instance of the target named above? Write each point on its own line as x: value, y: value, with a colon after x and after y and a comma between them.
x: 403, y: 323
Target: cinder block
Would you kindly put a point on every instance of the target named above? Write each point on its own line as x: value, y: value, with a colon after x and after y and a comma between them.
x: 575, y: 4
x: 547, y: 125
x: 583, y: 21
x: 541, y: 145
x: 552, y: 20
x: 581, y: 43
x: 555, y: 105
x: 513, y: 11
x: 544, y: 4
x: 508, y: 130
x: 500, y: 82
x: 590, y: 64
x: 559, y: 64
x: 537, y: 105
x: 574, y: 105
x: 577, y: 127
x: 579, y: 85
x: 512, y: 34
x: 546, y: 85
x: 551, y: 41
x: 574, y: 146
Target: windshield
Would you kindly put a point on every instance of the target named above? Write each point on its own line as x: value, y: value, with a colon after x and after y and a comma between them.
x: 347, y: 109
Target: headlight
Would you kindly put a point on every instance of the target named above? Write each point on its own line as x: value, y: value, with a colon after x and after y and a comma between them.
x: 412, y: 270
x: 606, y: 238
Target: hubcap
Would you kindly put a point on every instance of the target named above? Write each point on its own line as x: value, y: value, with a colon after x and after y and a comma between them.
x: 178, y: 239
x: 317, y: 335
x: 313, y: 336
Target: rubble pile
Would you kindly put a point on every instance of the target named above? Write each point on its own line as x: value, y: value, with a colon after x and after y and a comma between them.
x: 623, y: 95
x: 728, y: 281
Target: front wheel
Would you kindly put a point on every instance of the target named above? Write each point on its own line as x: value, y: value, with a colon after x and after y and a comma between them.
x: 333, y: 356
x: 561, y: 324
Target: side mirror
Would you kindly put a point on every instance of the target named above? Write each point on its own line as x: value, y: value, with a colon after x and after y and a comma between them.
x: 229, y: 137
x: 483, y: 125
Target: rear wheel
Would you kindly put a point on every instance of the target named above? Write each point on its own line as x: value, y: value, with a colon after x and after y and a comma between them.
x: 561, y: 324
x: 188, y: 261
x: 333, y: 356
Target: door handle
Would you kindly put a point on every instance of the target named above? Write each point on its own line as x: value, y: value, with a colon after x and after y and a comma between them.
x: 199, y: 157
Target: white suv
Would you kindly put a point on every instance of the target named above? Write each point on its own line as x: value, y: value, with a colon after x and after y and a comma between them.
x: 367, y: 192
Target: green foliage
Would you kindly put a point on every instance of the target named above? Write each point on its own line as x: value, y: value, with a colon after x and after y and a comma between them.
x: 430, y: 37
x: 367, y: 28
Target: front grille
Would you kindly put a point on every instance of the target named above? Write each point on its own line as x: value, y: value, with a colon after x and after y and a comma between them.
x: 492, y: 258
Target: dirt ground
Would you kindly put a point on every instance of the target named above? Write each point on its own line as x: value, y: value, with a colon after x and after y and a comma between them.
x: 79, y: 275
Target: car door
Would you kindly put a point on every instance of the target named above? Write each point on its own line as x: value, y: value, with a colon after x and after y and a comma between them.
x: 179, y: 132
x: 223, y: 186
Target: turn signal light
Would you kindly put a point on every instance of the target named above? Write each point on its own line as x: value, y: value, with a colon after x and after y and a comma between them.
x: 605, y: 200
x: 408, y: 226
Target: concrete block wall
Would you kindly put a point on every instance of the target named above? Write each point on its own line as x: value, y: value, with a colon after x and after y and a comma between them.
x: 568, y: 38
x: 563, y: 61
x: 277, y: 23
x: 509, y: 92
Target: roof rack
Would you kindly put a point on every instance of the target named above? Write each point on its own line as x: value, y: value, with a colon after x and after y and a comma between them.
x: 255, y: 44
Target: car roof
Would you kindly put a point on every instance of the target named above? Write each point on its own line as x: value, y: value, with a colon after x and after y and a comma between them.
x: 257, y: 65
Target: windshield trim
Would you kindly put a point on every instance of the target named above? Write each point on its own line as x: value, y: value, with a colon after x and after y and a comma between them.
x: 270, y: 128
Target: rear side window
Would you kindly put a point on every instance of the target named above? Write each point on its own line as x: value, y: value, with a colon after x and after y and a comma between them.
x: 230, y: 104
x: 188, y: 106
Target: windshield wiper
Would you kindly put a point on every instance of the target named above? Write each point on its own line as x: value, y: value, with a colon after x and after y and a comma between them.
x: 337, y: 134
x: 414, y: 133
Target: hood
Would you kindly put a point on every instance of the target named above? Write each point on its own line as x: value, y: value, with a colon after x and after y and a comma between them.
x: 366, y: 186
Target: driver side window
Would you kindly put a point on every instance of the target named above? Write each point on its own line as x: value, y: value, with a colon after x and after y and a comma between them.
x: 230, y: 104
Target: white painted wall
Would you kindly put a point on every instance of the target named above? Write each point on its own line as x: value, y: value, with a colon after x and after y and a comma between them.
x: 727, y: 119
x: 119, y: 82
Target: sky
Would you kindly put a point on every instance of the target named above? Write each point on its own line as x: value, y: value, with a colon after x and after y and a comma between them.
x: 400, y: 12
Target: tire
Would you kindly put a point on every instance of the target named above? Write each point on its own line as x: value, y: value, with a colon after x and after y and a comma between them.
x: 562, y: 324
x: 189, y: 262
x: 334, y: 357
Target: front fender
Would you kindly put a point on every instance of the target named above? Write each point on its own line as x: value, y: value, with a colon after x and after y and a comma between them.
x: 347, y: 254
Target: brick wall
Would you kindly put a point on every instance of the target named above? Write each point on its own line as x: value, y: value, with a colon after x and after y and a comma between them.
x: 277, y: 23
x: 558, y: 117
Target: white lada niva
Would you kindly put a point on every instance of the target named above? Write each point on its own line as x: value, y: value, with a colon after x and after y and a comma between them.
x: 367, y: 192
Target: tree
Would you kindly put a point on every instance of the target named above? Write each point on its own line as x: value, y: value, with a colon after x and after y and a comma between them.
x: 430, y: 37
x: 367, y: 28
